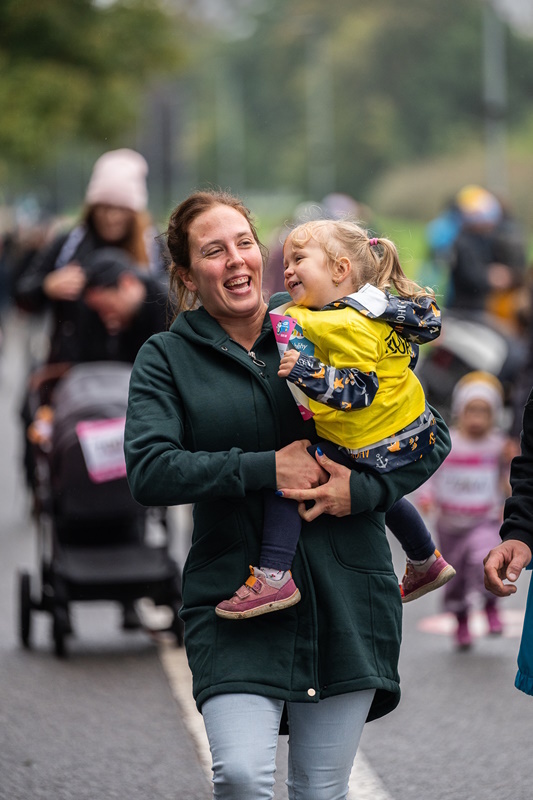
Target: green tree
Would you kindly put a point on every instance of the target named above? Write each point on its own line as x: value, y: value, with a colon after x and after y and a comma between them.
x: 394, y: 82
x: 75, y: 70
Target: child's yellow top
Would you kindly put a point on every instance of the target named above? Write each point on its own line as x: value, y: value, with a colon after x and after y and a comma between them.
x: 345, y: 338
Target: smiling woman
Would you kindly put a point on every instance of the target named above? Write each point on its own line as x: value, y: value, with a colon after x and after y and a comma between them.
x: 210, y: 422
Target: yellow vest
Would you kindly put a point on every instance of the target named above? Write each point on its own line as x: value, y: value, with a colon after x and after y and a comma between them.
x: 345, y: 338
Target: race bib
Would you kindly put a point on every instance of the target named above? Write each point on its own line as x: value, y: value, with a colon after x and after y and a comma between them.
x: 102, y: 445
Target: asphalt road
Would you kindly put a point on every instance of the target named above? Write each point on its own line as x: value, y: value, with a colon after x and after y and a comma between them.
x: 105, y: 723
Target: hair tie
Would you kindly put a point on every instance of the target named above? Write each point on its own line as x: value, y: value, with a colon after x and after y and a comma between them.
x: 372, y: 242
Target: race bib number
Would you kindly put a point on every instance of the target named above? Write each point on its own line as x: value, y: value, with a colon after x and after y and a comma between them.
x: 102, y: 445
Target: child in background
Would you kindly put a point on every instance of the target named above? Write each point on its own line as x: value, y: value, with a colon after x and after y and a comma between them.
x: 467, y: 496
x: 367, y: 403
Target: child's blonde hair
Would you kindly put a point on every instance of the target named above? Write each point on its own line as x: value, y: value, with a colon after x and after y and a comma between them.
x: 375, y: 260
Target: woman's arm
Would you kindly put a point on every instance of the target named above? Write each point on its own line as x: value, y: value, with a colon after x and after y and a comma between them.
x: 28, y: 291
x: 162, y: 471
x: 351, y: 492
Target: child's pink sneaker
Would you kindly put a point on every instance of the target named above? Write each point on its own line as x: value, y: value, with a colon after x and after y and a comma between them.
x: 260, y: 595
x: 417, y: 581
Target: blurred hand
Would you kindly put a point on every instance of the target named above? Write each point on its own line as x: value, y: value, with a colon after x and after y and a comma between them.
x: 505, y: 562
x: 289, y: 359
x: 296, y: 469
x: 65, y: 283
x: 332, y: 497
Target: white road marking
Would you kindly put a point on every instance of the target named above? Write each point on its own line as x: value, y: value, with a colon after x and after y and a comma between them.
x: 364, y: 783
x: 445, y: 624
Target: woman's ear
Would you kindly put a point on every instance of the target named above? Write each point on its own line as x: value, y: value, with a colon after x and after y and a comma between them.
x: 343, y: 269
x: 185, y: 277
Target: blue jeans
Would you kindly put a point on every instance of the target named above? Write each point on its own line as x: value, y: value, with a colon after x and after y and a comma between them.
x: 323, y: 738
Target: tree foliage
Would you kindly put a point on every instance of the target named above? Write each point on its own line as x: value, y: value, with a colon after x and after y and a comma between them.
x: 363, y: 84
x: 74, y: 70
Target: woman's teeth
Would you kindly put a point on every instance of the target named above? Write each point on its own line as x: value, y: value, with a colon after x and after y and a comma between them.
x: 234, y: 284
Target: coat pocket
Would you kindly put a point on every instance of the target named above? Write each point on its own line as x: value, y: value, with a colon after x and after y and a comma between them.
x: 361, y: 543
x: 223, y: 547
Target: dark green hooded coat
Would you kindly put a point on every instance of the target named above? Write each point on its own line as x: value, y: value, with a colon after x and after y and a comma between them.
x: 203, y: 423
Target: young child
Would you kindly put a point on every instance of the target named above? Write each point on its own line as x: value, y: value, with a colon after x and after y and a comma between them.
x: 367, y: 403
x: 467, y: 496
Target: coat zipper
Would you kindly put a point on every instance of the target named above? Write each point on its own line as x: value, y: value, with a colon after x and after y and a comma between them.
x: 257, y: 361
x: 251, y: 354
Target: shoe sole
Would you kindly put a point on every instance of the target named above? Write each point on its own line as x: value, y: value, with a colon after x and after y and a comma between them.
x: 276, y: 605
x: 443, y: 577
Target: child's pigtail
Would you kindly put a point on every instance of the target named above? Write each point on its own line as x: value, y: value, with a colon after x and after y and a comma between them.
x: 390, y: 272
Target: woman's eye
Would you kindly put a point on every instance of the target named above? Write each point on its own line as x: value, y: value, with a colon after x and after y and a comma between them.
x: 246, y: 243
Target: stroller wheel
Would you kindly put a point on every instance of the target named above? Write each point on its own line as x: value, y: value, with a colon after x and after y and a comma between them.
x: 25, y: 607
x: 60, y: 630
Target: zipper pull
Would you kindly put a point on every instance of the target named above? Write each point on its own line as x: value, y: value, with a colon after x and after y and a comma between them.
x: 257, y: 361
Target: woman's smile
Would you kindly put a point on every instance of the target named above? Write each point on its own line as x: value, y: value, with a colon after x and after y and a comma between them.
x: 239, y: 284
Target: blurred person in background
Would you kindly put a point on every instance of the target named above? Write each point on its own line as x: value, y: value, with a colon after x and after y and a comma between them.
x: 130, y: 303
x: 55, y: 281
x: 465, y: 496
x: 115, y: 215
x: 506, y: 561
x: 120, y: 307
x: 488, y: 258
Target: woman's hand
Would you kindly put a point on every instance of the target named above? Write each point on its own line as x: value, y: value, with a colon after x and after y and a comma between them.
x: 288, y: 360
x: 296, y: 468
x: 332, y: 497
x: 66, y: 283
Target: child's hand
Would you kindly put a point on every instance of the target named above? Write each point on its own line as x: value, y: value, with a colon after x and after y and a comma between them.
x: 289, y: 359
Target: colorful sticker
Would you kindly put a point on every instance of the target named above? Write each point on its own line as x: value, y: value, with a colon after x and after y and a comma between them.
x: 289, y: 334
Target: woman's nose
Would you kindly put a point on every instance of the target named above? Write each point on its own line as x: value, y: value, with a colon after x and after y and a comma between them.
x: 234, y: 257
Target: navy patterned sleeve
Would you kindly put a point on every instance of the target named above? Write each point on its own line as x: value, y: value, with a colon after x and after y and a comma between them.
x: 416, y: 320
x: 343, y: 389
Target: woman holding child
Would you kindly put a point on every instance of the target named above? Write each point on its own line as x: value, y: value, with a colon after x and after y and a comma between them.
x: 211, y: 423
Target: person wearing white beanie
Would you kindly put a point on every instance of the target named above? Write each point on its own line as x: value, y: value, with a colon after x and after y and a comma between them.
x: 477, y: 385
x: 466, y: 496
x: 115, y: 215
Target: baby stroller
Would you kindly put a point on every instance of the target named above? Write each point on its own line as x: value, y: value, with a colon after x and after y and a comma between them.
x: 93, y: 538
